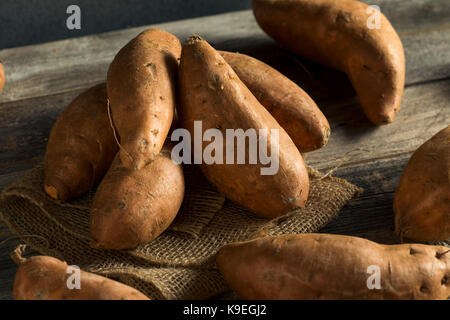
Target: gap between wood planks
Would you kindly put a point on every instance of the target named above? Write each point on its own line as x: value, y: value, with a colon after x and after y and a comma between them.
x: 365, y: 161
x: 89, y: 84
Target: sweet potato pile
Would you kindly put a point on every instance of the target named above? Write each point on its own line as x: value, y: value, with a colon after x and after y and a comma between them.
x: 116, y: 136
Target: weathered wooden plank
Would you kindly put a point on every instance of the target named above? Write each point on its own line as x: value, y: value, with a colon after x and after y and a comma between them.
x: 373, y: 209
x: 371, y: 215
x: 67, y: 65
x: 25, y: 125
x: 414, y: 14
x: 425, y: 110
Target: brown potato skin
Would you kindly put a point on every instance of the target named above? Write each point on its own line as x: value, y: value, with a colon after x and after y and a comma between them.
x: 2, y: 77
x: 335, y: 34
x: 141, y: 91
x: 422, y: 199
x: 45, y: 278
x: 292, y: 107
x: 211, y: 92
x: 134, y: 207
x: 325, y: 266
x: 81, y: 146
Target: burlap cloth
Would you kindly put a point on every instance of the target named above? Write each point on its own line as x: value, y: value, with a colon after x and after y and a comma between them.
x: 179, y: 264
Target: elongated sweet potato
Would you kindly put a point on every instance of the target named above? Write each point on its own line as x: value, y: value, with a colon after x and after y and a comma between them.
x: 141, y: 91
x: 212, y: 94
x: 292, y: 107
x: 343, y: 35
x: 2, y: 77
x: 422, y: 198
x: 325, y: 266
x: 47, y: 278
x: 134, y: 207
x: 81, y: 146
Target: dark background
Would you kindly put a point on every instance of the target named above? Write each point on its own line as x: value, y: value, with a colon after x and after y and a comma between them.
x: 24, y: 22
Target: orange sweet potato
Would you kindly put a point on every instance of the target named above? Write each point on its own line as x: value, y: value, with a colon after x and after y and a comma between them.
x: 134, y: 207
x: 46, y: 278
x: 337, y: 34
x: 422, y: 198
x: 211, y: 92
x: 81, y: 146
x: 292, y: 107
x: 325, y: 266
x: 141, y: 91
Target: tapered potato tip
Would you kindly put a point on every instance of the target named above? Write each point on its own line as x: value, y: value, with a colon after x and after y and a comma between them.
x: 63, y: 179
x: 56, y: 189
x: 288, y: 103
x: 320, y: 140
x: 193, y: 39
x: 95, y: 245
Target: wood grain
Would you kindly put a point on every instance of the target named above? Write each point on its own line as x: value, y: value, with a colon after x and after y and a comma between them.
x: 25, y: 125
x: 425, y: 110
x: 67, y: 65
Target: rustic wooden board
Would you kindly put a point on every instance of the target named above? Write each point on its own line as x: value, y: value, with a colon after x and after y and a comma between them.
x: 25, y: 125
x: 72, y: 64
x: 425, y: 110
x: 43, y: 79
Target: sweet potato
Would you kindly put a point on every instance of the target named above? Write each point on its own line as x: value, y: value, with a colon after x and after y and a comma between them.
x: 47, y: 278
x: 211, y: 92
x: 81, y: 146
x: 422, y: 198
x: 292, y: 107
x: 337, y: 34
x: 325, y: 266
x: 141, y: 91
x: 134, y: 207
x: 2, y: 77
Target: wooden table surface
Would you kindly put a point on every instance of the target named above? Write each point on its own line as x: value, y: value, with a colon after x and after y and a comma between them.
x: 42, y: 79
